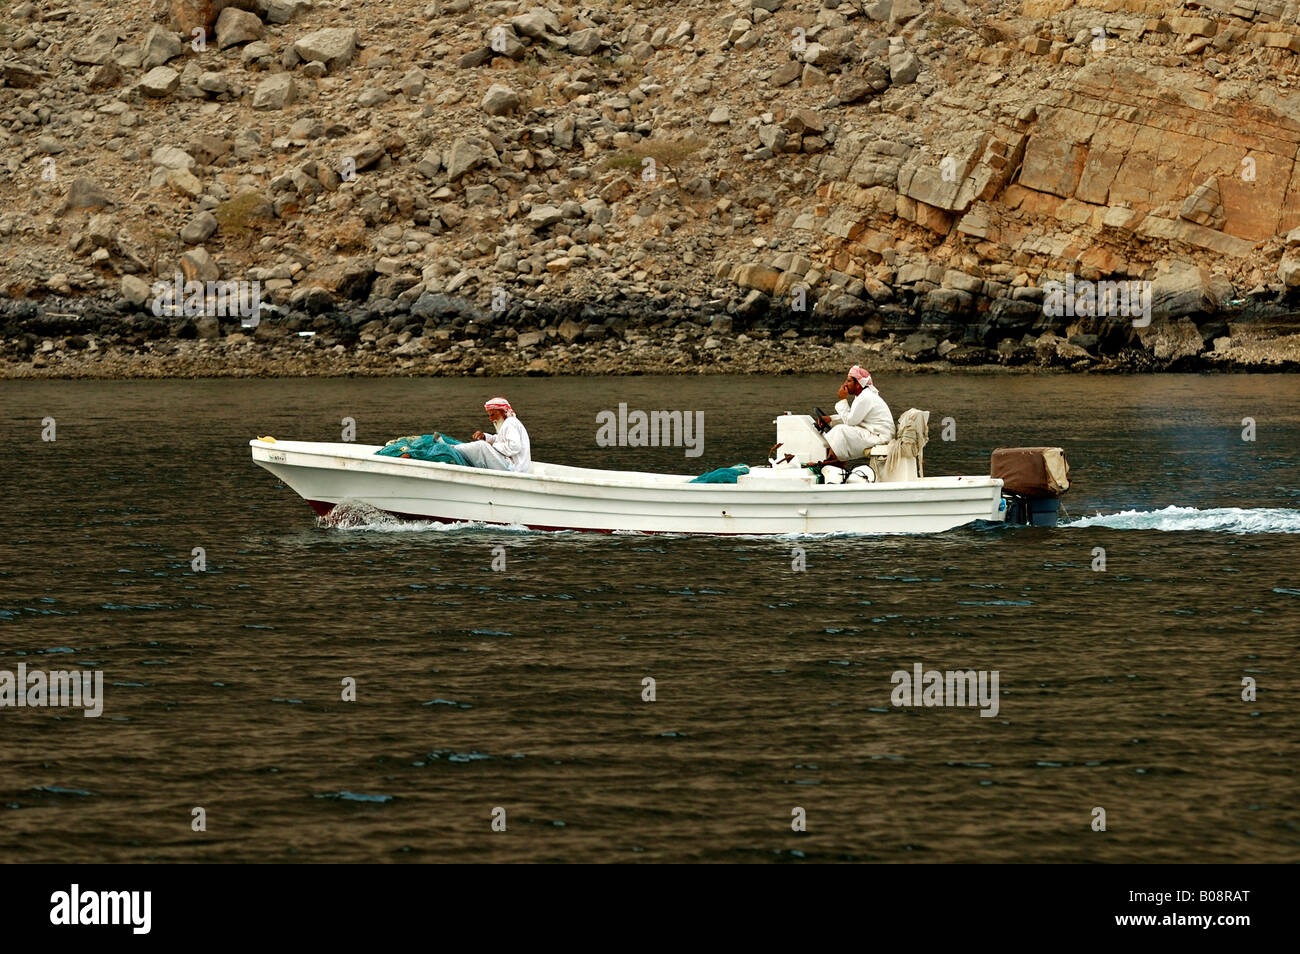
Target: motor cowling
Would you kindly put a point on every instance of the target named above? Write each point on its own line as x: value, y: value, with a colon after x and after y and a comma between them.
x: 1033, y: 481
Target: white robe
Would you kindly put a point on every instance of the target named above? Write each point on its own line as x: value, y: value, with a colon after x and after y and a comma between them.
x: 511, y: 442
x: 861, y: 425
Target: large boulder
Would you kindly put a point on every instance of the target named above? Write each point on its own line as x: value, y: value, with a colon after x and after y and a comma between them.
x: 544, y: 216
x: 1172, y: 341
x: 274, y: 92
x: 95, y: 49
x: 159, y: 82
x: 1183, y: 290
x: 1288, y: 270
x: 333, y: 46
x: 236, y: 26
x: 903, y: 11
x: 585, y: 42
x: 535, y: 24
x: 461, y: 157
x: 87, y: 194
x: 190, y: 15
x: 757, y: 276
x: 499, y: 100
x: 160, y: 46
x: 904, y: 67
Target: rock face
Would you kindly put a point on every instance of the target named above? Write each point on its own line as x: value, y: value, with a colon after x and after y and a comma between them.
x: 925, y: 178
x: 1148, y: 154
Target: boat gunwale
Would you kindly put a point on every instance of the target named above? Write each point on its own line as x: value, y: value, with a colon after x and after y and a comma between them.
x: 647, y: 481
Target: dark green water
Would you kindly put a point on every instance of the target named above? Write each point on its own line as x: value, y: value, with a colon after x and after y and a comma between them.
x: 522, y: 689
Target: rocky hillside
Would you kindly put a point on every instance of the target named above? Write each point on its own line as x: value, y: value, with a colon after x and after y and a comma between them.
x: 457, y: 186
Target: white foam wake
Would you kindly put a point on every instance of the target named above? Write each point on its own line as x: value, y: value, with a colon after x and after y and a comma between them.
x: 1221, y: 519
x: 352, y: 515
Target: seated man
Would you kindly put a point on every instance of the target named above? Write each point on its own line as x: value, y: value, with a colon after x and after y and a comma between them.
x: 507, y: 449
x: 864, y: 423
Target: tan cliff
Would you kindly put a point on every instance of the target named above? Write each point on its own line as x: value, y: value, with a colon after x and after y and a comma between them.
x: 904, y: 171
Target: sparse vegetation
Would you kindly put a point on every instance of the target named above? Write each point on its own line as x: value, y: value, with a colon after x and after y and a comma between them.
x: 236, y: 216
x: 669, y: 154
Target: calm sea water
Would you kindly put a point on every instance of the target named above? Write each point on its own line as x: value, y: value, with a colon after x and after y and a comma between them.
x: 522, y: 689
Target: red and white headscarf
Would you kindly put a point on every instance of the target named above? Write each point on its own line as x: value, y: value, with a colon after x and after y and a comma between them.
x: 499, y: 404
x: 861, y: 375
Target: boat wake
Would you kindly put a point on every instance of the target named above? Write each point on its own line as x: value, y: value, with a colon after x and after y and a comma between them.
x: 360, y: 516
x: 1220, y: 519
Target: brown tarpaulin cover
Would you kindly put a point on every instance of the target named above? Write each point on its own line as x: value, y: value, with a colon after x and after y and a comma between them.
x: 1031, y: 471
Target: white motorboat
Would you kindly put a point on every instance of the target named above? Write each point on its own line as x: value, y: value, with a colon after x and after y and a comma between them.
x: 781, y: 499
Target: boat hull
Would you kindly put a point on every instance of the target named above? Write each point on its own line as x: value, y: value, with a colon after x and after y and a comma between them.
x: 556, y: 497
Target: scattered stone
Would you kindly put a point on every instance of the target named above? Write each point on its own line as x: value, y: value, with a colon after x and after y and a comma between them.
x: 102, y: 230
x: 786, y: 73
x: 160, y: 81
x: 535, y: 24
x: 499, y: 100
x: 274, y: 92
x: 199, y: 229
x: 22, y: 75
x: 135, y: 290
x: 215, y: 83
x: 87, y: 194
x: 543, y: 216
x: 812, y: 76
x: 170, y: 157
x: 333, y: 46
x: 904, y: 67
x: 184, y: 182
x: 197, y: 265
x: 585, y: 42
x: 461, y: 158
x: 852, y: 89
x: 159, y: 47
x: 96, y: 49
x: 235, y: 26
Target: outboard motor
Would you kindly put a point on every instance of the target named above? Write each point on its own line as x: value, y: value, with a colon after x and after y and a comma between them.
x: 1033, y: 480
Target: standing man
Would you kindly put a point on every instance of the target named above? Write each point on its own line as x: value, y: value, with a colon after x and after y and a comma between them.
x: 863, y: 423
x: 508, y: 448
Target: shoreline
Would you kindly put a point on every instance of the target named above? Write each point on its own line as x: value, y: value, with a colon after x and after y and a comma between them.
x: 440, y: 336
